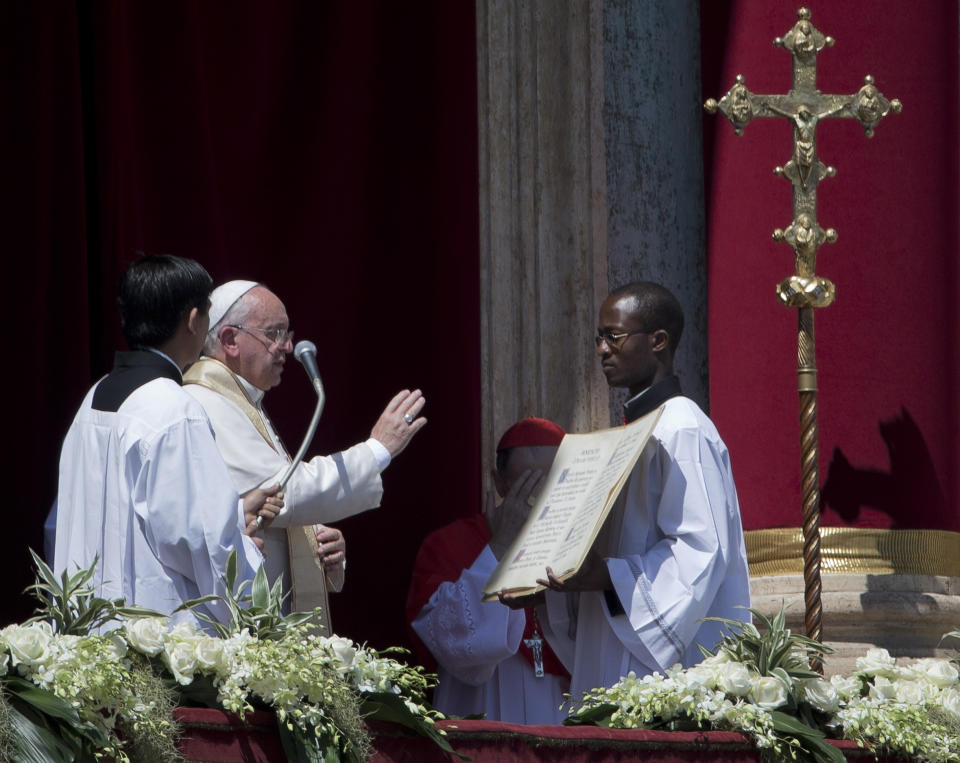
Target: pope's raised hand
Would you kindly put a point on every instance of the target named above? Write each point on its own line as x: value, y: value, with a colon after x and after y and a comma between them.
x: 400, y: 421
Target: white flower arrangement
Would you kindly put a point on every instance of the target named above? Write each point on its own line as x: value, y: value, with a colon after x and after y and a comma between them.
x: 910, y: 710
x: 91, y: 697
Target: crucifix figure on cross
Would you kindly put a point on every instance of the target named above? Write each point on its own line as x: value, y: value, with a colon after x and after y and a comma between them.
x: 804, y: 107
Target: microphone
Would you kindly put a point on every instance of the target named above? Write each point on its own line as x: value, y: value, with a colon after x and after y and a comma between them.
x: 306, y: 353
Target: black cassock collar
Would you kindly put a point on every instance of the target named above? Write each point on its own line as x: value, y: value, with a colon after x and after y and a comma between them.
x: 651, y: 398
x: 131, y: 370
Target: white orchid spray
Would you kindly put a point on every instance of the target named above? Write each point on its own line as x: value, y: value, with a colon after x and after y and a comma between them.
x: 761, y: 684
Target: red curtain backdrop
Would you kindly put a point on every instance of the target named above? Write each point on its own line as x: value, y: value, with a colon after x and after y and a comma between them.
x: 887, y: 348
x: 328, y: 149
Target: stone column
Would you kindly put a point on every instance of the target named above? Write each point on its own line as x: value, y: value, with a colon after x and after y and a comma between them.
x: 654, y: 156
x: 590, y: 175
x: 543, y: 247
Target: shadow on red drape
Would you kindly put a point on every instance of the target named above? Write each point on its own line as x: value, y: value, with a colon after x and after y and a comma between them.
x: 326, y: 149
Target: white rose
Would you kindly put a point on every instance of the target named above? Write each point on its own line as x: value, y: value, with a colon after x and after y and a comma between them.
x: 209, y: 653
x: 877, y: 662
x: 822, y: 695
x: 3, y: 664
x: 769, y: 693
x: 950, y: 701
x: 343, y: 648
x: 714, y: 660
x: 146, y: 634
x: 911, y: 692
x: 29, y: 645
x: 696, y: 677
x: 180, y: 658
x: 185, y: 632
x: 883, y: 689
x: 735, y: 678
x: 940, y: 673
x: 847, y: 686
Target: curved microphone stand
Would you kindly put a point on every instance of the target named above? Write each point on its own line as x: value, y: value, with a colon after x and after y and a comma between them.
x: 306, y: 353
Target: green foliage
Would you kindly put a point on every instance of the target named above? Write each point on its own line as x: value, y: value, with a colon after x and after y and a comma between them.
x: 253, y: 605
x: 44, y: 728
x: 775, y: 651
x: 69, y: 604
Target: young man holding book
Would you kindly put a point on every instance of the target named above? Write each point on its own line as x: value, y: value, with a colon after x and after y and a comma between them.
x: 671, y: 551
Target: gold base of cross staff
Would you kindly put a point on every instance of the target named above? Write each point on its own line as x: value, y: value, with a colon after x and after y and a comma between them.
x: 804, y: 106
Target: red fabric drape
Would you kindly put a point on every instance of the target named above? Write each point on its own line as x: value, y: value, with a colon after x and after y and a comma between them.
x: 212, y: 735
x: 327, y: 149
x: 886, y: 349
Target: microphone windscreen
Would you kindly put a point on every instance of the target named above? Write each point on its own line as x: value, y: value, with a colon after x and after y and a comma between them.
x: 304, y: 345
x: 306, y: 353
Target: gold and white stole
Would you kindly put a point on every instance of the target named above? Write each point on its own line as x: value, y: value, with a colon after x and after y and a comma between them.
x: 308, y: 580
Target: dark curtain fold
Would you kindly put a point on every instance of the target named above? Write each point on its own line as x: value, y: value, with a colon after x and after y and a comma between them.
x: 328, y: 149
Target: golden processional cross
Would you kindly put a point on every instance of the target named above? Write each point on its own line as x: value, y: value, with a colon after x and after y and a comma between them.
x: 804, y: 106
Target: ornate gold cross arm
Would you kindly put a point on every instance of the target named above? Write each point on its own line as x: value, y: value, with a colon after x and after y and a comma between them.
x: 804, y: 106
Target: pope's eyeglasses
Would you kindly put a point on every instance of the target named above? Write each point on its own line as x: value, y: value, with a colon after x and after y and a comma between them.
x: 277, y: 337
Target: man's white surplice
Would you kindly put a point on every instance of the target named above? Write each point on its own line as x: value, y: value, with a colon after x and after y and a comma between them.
x: 321, y: 490
x: 475, y: 644
x: 674, y: 548
x: 145, y: 489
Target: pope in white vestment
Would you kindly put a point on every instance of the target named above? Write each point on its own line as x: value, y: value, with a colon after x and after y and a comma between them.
x: 674, y: 549
x: 323, y: 489
x: 245, y: 352
x: 143, y: 487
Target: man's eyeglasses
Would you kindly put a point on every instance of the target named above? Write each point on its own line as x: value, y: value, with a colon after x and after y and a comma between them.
x: 614, y: 339
x: 276, y: 336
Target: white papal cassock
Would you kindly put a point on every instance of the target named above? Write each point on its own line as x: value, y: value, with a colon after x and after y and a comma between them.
x: 674, y: 548
x: 143, y: 487
x: 323, y: 489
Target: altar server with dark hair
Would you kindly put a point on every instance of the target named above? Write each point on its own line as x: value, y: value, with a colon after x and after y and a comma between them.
x: 142, y: 487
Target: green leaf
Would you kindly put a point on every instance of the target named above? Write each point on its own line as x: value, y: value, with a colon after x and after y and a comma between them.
x: 812, y: 739
x: 390, y: 707
x: 198, y: 693
x: 33, y: 743
x: 53, y: 717
x: 260, y: 593
x: 598, y: 715
x: 44, y: 701
x: 230, y: 576
x: 301, y: 748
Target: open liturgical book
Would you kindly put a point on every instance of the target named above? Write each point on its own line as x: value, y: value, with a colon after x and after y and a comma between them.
x: 587, y: 475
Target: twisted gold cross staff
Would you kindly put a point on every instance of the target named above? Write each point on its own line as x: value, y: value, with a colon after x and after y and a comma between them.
x: 804, y: 106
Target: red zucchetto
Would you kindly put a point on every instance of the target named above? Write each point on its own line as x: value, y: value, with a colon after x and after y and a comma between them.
x: 530, y: 432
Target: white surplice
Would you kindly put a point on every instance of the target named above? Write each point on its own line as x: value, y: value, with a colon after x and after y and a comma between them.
x: 675, y: 551
x: 475, y: 644
x: 145, y: 489
x: 321, y: 490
